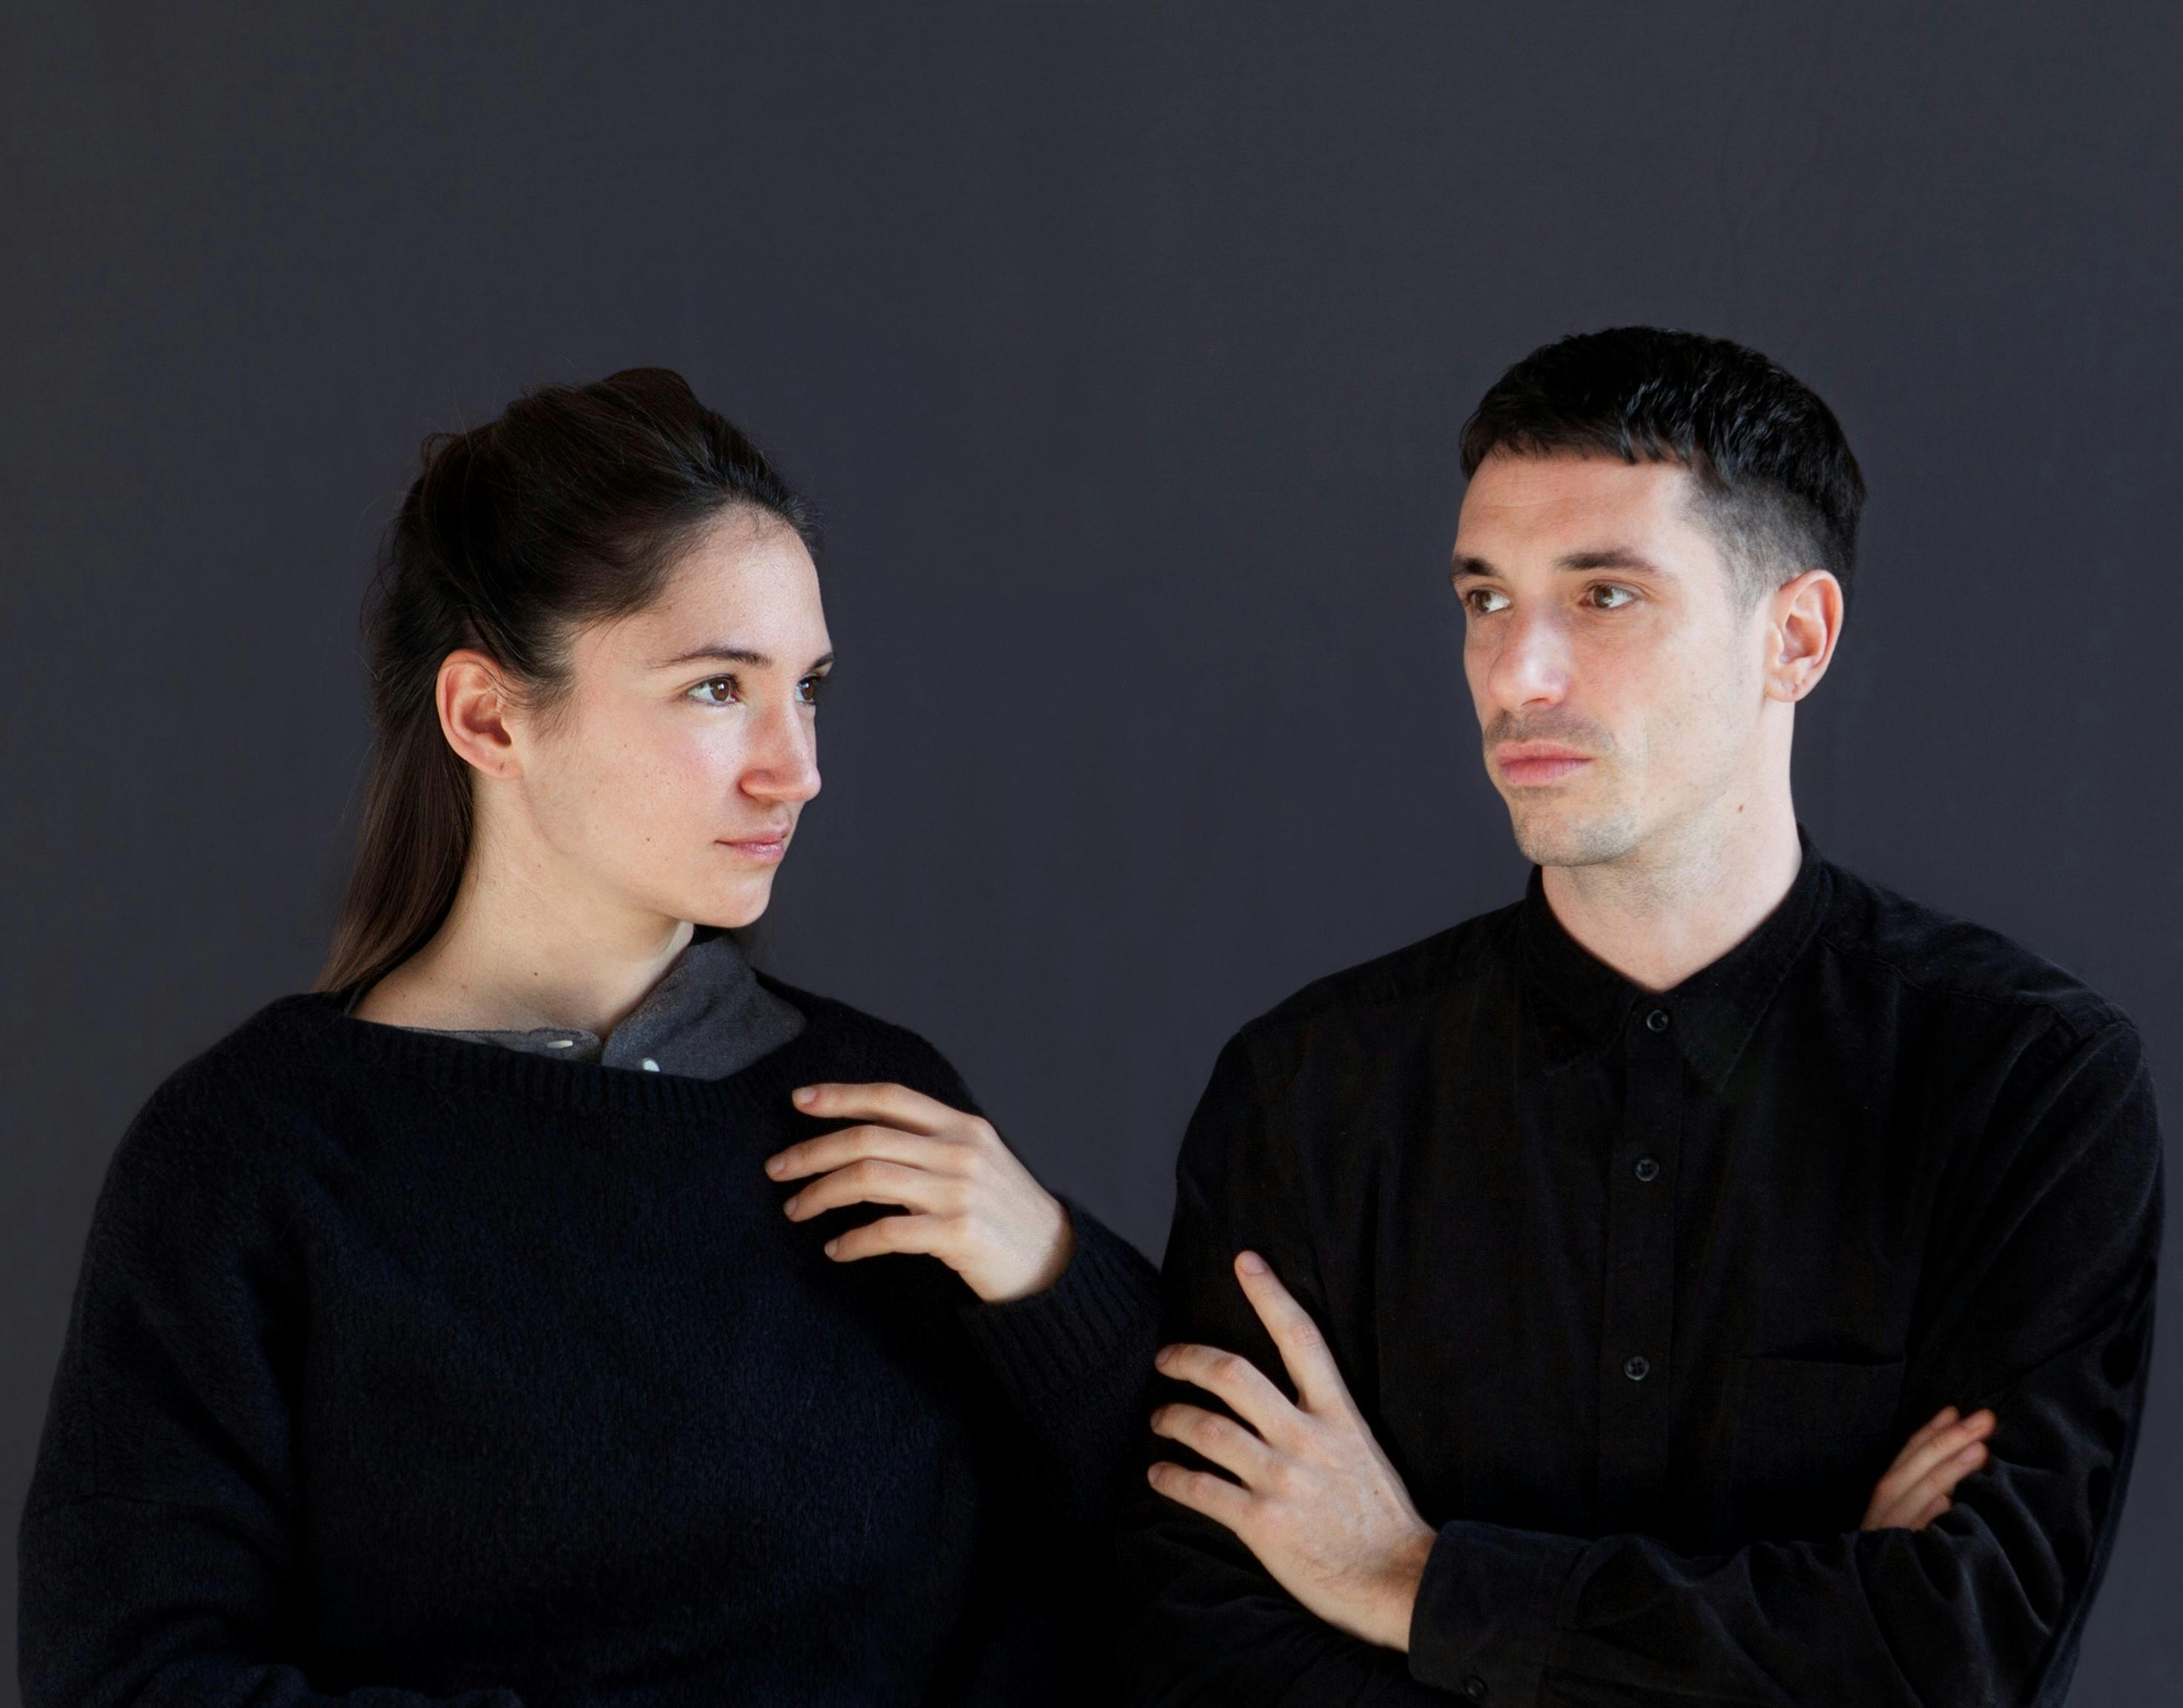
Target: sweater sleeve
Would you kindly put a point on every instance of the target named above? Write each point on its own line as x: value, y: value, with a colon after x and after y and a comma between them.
x: 159, y: 1548
x: 1074, y: 1358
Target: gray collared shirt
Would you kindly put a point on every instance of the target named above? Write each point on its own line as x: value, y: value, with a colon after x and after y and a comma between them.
x: 706, y: 1017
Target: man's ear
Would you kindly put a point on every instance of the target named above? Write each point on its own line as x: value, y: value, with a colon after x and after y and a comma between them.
x: 1804, y: 621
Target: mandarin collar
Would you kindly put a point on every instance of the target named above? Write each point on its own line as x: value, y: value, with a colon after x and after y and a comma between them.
x: 1584, y: 1005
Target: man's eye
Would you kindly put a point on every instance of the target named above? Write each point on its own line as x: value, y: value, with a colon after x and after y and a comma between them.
x: 1474, y: 601
x: 1619, y: 596
x: 809, y: 689
x: 703, y: 690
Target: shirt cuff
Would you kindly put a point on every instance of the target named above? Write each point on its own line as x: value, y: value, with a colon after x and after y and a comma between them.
x: 1104, y: 1308
x: 1484, y: 1607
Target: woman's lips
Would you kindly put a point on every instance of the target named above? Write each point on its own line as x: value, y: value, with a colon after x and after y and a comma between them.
x: 767, y: 851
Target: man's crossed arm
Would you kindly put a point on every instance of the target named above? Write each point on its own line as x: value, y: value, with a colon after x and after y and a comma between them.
x: 1318, y: 1504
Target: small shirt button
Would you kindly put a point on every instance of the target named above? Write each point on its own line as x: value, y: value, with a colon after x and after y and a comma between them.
x: 1657, y: 1021
x: 1637, y: 1369
x: 1647, y: 1168
x: 1474, y: 1687
x: 650, y: 1066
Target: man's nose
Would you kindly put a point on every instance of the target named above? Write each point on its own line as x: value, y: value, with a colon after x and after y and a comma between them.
x: 1530, y: 662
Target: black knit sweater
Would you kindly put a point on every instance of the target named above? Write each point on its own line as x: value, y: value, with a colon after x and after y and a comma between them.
x: 418, y: 1368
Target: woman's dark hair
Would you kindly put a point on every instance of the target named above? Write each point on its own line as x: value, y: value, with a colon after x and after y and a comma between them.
x: 1775, y: 476
x: 572, y: 508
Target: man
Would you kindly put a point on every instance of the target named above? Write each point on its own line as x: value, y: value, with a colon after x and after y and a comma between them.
x: 1550, y: 1301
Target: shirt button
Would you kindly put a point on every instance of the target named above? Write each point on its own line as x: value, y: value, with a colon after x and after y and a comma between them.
x: 650, y: 1066
x: 1637, y: 1369
x: 1474, y: 1687
x: 1647, y: 1168
x: 1657, y: 1021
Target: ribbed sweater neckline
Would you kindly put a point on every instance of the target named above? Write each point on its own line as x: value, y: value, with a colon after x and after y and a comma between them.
x: 314, y: 1020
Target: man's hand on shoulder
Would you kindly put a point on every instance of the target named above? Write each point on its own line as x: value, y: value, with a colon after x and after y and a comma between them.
x: 1315, y: 1498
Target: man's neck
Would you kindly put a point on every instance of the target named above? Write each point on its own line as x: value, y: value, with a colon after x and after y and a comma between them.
x: 1661, y: 912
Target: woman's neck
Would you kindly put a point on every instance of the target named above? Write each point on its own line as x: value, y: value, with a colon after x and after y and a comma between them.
x: 507, y: 959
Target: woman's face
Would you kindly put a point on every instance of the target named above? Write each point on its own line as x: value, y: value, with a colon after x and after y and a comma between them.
x: 691, y: 743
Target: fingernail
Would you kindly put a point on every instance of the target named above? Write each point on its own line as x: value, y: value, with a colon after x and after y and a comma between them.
x: 1164, y: 1356
x: 1251, y: 1263
x: 829, y: 1247
x: 789, y: 1209
x: 804, y: 1094
x: 773, y: 1165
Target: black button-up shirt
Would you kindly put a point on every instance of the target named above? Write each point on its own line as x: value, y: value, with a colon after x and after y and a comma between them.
x: 1642, y: 1292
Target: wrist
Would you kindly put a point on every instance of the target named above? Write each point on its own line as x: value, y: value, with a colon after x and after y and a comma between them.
x: 1060, y: 1244
x: 1404, y: 1573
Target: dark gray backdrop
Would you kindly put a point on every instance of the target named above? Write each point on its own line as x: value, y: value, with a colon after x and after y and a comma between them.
x: 1126, y: 346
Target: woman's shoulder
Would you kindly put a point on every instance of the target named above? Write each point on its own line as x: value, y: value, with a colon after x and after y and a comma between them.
x: 850, y: 1044
x: 209, y: 1138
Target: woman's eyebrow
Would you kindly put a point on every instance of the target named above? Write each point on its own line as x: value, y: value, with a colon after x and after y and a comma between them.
x: 733, y: 655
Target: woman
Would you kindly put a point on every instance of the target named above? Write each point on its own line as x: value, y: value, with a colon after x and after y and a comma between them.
x: 546, y: 1307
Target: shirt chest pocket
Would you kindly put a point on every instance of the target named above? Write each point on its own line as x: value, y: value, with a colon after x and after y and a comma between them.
x: 1812, y: 1437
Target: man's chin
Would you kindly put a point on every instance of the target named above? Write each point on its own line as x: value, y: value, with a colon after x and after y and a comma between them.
x: 1547, y: 837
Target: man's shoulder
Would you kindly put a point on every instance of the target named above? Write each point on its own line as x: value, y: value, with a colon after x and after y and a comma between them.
x: 1419, y: 977
x: 1946, y: 957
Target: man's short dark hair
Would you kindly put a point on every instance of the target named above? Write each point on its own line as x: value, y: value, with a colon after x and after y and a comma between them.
x: 1773, y: 476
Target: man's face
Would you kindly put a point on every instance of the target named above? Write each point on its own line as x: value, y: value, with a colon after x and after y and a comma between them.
x: 1615, y: 673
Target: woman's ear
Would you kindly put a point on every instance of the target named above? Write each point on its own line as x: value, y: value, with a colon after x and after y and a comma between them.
x: 473, y: 712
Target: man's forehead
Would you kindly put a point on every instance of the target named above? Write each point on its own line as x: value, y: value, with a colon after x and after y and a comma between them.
x: 1562, y: 505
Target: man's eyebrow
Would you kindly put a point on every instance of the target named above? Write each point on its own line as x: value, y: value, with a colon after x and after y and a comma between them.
x: 1611, y: 557
x: 733, y: 655
x: 1601, y: 557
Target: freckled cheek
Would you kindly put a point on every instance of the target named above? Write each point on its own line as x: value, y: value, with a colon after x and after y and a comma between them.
x: 660, y: 794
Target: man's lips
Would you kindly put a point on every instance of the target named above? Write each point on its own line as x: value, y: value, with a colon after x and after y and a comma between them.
x: 1537, y: 761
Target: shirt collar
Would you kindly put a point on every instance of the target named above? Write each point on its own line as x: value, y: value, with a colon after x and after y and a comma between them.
x: 1584, y: 1004
x: 699, y: 1013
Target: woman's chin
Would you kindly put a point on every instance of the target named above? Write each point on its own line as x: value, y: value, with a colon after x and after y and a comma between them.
x: 745, y: 907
